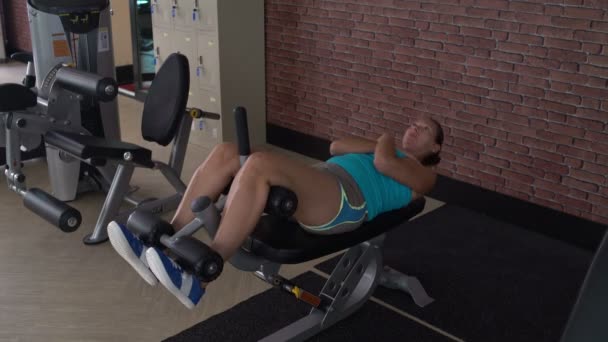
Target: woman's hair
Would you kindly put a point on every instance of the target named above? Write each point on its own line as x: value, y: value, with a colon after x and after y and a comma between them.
x: 433, y: 158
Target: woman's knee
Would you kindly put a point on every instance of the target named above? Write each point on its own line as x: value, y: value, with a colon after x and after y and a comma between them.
x: 225, y: 151
x: 262, y: 161
x: 221, y: 154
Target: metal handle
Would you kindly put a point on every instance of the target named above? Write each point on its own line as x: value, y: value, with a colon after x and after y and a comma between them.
x: 242, y: 131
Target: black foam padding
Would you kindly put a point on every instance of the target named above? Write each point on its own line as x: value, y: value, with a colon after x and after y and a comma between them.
x: 86, y: 83
x: 197, y: 258
x: 68, y: 6
x: 149, y: 227
x: 269, y: 311
x: 23, y: 57
x: 52, y: 210
x: 587, y: 322
x: 15, y: 97
x: 281, y: 202
x: 242, y: 131
x: 491, y: 281
x: 87, y: 146
x: 284, y: 241
x: 166, y: 101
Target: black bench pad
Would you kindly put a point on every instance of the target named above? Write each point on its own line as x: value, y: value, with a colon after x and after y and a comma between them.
x: 96, y: 148
x: 285, y: 242
x: 15, y: 97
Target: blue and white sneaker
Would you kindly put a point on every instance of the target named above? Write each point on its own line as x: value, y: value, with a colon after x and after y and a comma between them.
x: 183, y: 285
x: 131, y: 249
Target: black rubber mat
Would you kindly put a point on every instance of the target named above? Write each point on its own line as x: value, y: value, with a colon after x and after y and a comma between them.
x: 271, y: 310
x: 491, y: 281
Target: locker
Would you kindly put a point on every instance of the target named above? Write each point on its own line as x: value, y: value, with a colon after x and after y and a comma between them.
x: 207, y: 15
x: 194, y: 96
x: 185, y: 43
x: 184, y: 14
x: 207, y: 64
x: 211, y: 129
x: 162, y: 45
x: 204, y: 31
x: 202, y: 130
x: 161, y: 13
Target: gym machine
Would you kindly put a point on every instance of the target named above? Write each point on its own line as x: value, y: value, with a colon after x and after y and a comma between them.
x: 70, y: 79
x: 69, y: 35
x: 165, y: 120
x: 24, y: 114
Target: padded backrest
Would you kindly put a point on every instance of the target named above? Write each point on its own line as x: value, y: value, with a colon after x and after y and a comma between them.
x: 166, y: 101
x: 285, y: 241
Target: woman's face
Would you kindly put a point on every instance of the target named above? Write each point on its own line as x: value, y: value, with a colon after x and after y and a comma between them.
x: 420, y: 138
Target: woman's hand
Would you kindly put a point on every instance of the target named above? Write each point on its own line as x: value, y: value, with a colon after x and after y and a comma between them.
x: 384, y: 152
x: 385, y: 138
x: 407, y: 171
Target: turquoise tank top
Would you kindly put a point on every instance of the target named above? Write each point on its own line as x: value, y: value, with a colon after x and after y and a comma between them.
x: 382, y: 193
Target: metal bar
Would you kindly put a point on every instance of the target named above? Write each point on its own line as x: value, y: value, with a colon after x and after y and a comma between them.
x: 126, y: 92
x: 159, y: 206
x: 300, y: 330
x: 172, y: 176
x: 13, y: 154
x: 180, y: 144
x: 111, y: 206
x: 43, y: 102
x: 135, y: 43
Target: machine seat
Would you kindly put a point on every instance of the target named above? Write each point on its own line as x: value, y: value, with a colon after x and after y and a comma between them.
x: 98, y: 149
x: 23, y: 57
x: 16, y: 97
x: 284, y: 241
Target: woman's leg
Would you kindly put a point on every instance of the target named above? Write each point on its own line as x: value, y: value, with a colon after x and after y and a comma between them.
x: 318, y: 197
x: 209, y: 179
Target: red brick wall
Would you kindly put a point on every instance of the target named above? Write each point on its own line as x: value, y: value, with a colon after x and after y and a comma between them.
x: 17, y: 25
x: 520, y: 86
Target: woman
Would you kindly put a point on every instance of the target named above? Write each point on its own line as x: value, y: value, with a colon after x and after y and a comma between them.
x: 362, y: 179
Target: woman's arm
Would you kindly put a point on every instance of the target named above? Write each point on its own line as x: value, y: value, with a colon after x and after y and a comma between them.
x: 351, y: 145
x: 407, y: 171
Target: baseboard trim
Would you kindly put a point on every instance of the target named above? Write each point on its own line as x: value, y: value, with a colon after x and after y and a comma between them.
x: 558, y: 225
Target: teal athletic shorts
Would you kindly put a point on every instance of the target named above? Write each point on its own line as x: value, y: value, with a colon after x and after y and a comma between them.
x: 353, y: 209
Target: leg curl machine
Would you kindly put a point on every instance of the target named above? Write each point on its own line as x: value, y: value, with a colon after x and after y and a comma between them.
x: 19, y: 116
x: 278, y: 240
x: 77, y: 98
x: 165, y: 120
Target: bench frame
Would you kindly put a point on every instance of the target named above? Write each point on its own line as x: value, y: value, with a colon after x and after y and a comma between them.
x: 351, y: 283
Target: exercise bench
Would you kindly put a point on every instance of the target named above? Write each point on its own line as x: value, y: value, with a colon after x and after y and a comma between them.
x: 278, y: 240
